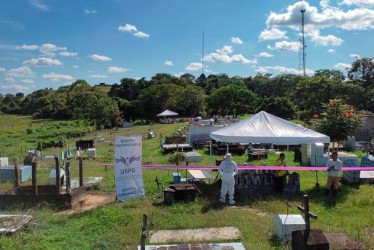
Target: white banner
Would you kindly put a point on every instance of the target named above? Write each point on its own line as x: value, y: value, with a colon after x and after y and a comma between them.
x: 128, y: 167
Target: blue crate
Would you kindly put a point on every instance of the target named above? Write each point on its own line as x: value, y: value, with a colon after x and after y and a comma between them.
x: 7, y: 173
x: 176, y: 178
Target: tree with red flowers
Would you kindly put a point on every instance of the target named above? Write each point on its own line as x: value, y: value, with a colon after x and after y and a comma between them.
x: 337, y: 120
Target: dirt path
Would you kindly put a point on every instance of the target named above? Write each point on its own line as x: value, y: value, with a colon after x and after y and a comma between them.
x: 91, y: 201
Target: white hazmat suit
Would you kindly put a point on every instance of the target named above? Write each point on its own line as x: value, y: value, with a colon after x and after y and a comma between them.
x: 228, y: 169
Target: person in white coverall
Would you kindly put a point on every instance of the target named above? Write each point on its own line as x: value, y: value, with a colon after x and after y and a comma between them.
x: 228, y: 169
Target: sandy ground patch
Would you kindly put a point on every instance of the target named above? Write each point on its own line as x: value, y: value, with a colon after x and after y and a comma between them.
x: 91, y: 201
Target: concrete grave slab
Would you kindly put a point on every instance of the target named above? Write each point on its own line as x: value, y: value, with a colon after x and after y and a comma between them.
x: 194, y: 235
x: 215, y: 246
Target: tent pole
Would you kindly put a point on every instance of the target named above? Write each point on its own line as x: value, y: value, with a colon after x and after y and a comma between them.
x: 227, y: 148
x: 210, y: 151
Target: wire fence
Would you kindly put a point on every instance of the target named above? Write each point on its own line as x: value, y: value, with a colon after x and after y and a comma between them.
x: 46, y: 174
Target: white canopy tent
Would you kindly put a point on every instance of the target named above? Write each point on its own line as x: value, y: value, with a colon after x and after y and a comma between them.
x: 168, y: 113
x: 266, y: 128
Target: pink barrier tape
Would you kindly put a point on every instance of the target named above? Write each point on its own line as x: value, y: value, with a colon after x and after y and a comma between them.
x: 240, y: 167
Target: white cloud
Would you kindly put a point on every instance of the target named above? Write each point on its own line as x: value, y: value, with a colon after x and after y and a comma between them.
x: 28, y: 81
x: 331, y: 51
x: 179, y: 74
x: 27, y: 47
x: 100, y: 58
x: 240, y: 58
x: 132, y: 29
x: 98, y: 76
x: 282, y: 70
x: 194, y: 66
x: 141, y: 34
x: 56, y: 77
x: 360, y: 3
x: 38, y: 4
x: 114, y: 69
x: 355, y: 56
x: 236, y: 40
x: 90, y: 12
x: 342, y: 66
x: 42, y: 62
x: 355, y: 19
x: 285, y: 45
x: 15, y: 88
x: 215, y: 57
x: 49, y: 49
x: 128, y: 28
x: 65, y: 53
x: 223, y: 58
x: 328, y: 17
x: 264, y: 54
x: 2, y: 69
x: 75, y: 66
x: 261, y: 70
x: 272, y: 34
x: 22, y: 72
x: 324, y: 40
x: 226, y: 49
x: 169, y: 63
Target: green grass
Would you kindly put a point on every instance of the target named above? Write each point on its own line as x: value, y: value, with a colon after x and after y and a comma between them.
x: 118, y: 225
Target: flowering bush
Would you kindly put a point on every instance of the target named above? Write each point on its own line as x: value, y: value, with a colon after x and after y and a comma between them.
x: 338, y: 120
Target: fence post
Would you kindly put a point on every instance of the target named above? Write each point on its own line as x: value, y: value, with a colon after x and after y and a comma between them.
x: 0, y: 177
x: 80, y: 171
x: 58, y: 181
x: 16, y: 173
x: 143, y: 236
x: 34, y: 176
x: 68, y: 184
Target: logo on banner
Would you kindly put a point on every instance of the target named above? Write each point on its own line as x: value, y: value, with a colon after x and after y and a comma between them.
x: 127, y: 161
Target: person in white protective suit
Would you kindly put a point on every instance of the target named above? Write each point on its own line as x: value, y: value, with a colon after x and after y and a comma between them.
x: 228, y: 169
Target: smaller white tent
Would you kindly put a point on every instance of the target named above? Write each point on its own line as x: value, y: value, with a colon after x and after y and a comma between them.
x: 167, y: 113
x: 266, y: 128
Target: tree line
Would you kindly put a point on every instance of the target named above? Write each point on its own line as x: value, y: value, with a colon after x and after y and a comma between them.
x: 286, y: 95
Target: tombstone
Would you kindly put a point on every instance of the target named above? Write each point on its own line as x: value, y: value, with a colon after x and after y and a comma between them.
x: 91, y: 153
x: 4, y: 161
x: 285, y: 224
x: 52, y: 176
x: 309, y: 238
x: 350, y: 144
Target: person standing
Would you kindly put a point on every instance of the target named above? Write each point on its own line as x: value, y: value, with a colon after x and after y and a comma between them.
x: 228, y: 169
x: 334, y: 166
x: 280, y: 175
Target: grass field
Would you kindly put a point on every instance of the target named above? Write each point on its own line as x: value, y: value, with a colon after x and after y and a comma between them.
x: 118, y: 225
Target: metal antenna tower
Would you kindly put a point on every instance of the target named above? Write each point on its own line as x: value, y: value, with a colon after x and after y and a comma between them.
x: 303, y: 46
x: 202, y: 55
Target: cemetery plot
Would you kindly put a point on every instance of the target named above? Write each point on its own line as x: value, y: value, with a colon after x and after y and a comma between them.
x: 46, y: 185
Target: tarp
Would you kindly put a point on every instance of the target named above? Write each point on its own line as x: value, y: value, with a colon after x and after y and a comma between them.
x: 267, y: 128
x: 167, y: 113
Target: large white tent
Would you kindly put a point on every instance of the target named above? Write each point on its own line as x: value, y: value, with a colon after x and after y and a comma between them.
x: 168, y: 113
x: 266, y: 128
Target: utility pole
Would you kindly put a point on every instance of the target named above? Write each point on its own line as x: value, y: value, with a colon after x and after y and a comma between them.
x: 303, y: 39
x: 202, y: 55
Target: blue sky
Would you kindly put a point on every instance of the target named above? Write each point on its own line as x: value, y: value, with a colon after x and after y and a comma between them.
x: 47, y: 44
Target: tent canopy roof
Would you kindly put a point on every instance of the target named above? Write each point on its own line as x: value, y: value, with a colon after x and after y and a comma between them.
x: 167, y: 113
x: 266, y: 128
